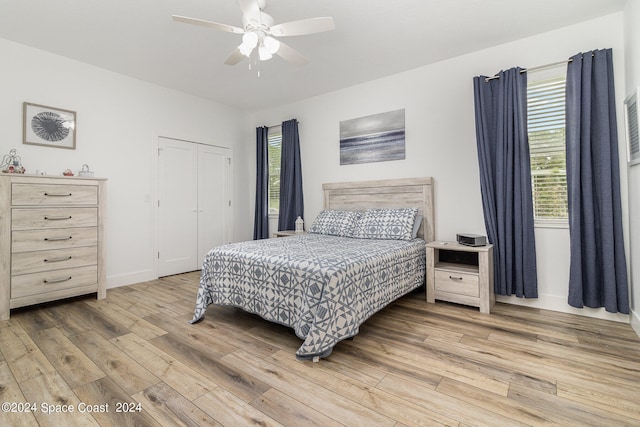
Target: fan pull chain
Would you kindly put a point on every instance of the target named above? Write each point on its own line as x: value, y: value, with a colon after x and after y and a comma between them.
x: 256, y: 63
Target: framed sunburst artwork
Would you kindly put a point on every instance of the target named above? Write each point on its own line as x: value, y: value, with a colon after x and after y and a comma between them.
x: 48, y: 126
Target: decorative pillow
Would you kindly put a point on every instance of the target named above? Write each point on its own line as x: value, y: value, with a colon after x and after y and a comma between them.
x: 394, y: 224
x: 335, y: 223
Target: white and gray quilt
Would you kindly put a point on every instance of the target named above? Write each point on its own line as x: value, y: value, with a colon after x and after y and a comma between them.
x: 324, y: 287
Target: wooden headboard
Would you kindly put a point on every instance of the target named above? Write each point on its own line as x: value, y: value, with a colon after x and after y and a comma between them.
x: 388, y: 193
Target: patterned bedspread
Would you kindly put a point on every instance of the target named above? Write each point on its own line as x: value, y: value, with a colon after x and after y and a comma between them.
x: 324, y: 287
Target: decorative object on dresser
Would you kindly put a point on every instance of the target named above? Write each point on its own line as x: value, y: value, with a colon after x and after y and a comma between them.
x: 85, y: 172
x: 48, y: 126
x: 11, y: 163
x: 51, y: 239
x: 461, y: 274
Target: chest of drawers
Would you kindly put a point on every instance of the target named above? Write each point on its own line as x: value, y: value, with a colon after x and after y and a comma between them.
x: 51, y: 239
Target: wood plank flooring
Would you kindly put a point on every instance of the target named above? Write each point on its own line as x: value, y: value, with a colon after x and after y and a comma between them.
x: 133, y: 359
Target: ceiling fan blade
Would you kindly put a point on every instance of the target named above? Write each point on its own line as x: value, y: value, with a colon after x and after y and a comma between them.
x: 209, y: 24
x: 235, y: 57
x: 289, y: 54
x: 250, y: 8
x: 303, y: 26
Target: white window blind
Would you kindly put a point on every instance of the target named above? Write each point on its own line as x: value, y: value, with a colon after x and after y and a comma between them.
x: 632, y: 119
x: 274, y: 150
x: 546, y: 128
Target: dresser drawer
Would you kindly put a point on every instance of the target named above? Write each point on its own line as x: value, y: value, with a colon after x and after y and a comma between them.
x: 51, y: 281
x: 28, y: 219
x: 457, y: 282
x: 34, y: 262
x: 60, y: 238
x: 53, y: 194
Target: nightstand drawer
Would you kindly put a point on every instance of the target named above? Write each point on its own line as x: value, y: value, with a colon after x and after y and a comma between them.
x: 457, y: 283
x: 53, y: 194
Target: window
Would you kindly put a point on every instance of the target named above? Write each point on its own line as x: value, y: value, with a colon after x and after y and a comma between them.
x: 546, y: 128
x: 274, y: 149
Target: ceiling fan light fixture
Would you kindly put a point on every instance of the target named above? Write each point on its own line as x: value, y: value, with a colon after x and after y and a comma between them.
x: 249, y: 42
x: 246, y: 51
x: 271, y: 44
x: 264, y: 53
x: 250, y: 39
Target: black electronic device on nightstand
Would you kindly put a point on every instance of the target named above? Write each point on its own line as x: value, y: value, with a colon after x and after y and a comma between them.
x: 469, y: 239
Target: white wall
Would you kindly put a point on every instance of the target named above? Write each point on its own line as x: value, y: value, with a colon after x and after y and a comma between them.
x: 118, y: 120
x: 440, y: 137
x: 632, y: 56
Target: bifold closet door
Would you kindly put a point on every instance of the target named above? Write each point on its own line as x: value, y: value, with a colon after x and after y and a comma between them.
x: 214, y: 198
x: 177, y: 206
x: 194, y: 203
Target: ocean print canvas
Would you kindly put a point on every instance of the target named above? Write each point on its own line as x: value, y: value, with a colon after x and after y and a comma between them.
x: 374, y: 138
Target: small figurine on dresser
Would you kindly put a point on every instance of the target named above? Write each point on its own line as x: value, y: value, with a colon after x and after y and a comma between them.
x: 11, y: 163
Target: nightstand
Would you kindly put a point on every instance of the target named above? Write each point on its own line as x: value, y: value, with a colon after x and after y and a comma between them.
x: 460, y: 274
x: 284, y: 233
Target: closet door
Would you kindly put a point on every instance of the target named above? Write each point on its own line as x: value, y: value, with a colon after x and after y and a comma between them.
x: 194, y: 203
x: 177, y: 206
x: 214, y: 201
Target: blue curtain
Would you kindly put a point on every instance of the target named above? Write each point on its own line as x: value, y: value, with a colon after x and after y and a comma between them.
x: 598, y: 272
x: 505, y: 180
x: 261, y: 219
x: 291, y: 198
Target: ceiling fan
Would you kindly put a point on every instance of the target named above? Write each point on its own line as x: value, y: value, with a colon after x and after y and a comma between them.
x: 259, y: 31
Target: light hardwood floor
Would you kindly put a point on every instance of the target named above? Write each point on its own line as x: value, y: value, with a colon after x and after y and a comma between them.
x: 412, y: 364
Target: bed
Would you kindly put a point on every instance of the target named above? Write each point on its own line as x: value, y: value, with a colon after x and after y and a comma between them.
x: 357, y: 257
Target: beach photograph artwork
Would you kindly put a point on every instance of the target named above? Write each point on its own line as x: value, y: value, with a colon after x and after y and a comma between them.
x: 374, y: 138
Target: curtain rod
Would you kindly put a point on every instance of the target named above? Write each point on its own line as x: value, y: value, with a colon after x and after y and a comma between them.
x: 539, y: 67
x: 278, y: 125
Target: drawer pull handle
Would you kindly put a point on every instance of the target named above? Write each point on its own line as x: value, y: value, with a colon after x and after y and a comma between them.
x: 63, y: 279
x: 455, y: 278
x: 56, y: 218
x: 57, y: 239
x: 59, y: 259
x: 57, y: 194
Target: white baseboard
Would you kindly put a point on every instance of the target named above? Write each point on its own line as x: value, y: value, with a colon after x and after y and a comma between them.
x: 557, y: 303
x: 130, y: 278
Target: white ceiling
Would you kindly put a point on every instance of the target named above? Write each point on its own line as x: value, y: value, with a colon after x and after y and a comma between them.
x: 372, y: 39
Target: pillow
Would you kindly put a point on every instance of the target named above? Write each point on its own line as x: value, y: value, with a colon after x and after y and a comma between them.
x: 396, y: 224
x: 335, y: 223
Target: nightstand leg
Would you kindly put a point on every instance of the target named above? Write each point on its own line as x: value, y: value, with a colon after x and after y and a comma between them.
x: 430, y: 273
x: 487, y: 296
